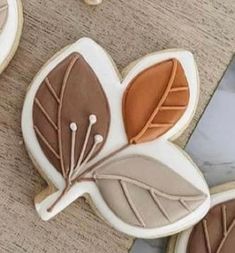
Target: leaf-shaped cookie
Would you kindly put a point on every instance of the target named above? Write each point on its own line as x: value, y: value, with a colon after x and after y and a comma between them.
x: 155, y: 100
x: 71, y: 93
x: 3, y: 13
x: 148, y: 199
x: 216, y: 232
x: 74, y: 107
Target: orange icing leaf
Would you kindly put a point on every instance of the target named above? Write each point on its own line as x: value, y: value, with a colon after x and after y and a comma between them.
x: 154, y: 101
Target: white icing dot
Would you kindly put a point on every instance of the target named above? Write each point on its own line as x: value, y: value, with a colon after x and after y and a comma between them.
x: 92, y: 119
x: 98, y: 138
x: 73, y: 126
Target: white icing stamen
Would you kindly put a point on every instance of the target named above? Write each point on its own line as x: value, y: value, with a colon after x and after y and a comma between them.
x: 97, y: 140
x: 73, y: 127
x: 92, y: 121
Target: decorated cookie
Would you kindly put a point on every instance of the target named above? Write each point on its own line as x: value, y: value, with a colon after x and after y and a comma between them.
x: 93, y: 2
x: 11, y: 21
x: 93, y: 132
x: 215, y: 233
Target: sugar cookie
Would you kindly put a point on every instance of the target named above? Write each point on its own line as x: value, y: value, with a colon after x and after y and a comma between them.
x: 92, y: 132
x: 215, y: 233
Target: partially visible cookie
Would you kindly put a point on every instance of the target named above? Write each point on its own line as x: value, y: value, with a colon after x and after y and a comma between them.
x: 216, y: 231
x: 3, y: 13
x: 93, y: 2
x: 11, y: 22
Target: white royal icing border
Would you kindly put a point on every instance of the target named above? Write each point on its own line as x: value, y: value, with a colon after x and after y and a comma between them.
x: 159, y: 149
x: 217, y: 198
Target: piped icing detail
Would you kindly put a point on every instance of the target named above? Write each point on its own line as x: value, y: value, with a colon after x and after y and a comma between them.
x: 82, y: 160
x: 71, y: 119
x: 215, y: 232
x: 154, y: 101
x: 76, y: 168
x: 3, y: 13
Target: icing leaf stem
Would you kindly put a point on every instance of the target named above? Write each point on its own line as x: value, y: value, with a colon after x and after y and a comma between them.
x: 90, y: 170
x: 74, y: 177
x: 67, y: 187
x: 76, y: 174
x: 148, y: 188
x: 74, y: 170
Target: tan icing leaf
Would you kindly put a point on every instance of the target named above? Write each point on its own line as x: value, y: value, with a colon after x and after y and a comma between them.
x: 71, y: 115
x: 139, y: 190
x: 154, y: 101
x: 3, y: 13
x: 216, y: 232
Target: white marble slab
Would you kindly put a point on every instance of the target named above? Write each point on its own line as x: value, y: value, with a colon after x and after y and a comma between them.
x: 149, y: 246
x: 212, y: 145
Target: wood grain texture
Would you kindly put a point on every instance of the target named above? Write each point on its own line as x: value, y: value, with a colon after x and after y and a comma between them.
x: 128, y: 30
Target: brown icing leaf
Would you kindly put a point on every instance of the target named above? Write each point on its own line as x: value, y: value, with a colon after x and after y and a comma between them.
x: 67, y: 133
x: 216, y: 232
x: 154, y: 101
x: 137, y: 190
x: 3, y: 13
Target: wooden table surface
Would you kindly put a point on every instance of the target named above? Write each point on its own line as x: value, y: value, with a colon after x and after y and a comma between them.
x: 128, y: 30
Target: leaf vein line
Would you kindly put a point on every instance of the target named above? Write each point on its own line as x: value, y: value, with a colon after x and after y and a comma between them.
x: 206, y: 234
x: 131, y: 203
x: 177, y: 89
x: 171, y: 108
x: 51, y: 89
x: 185, y: 205
x: 159, y: 204
x: 147, y: 187
x: 226, y: 236
x: 153, y: 125
x: 45, y: 113
x: 46, y: 142
x: 224, y: 219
